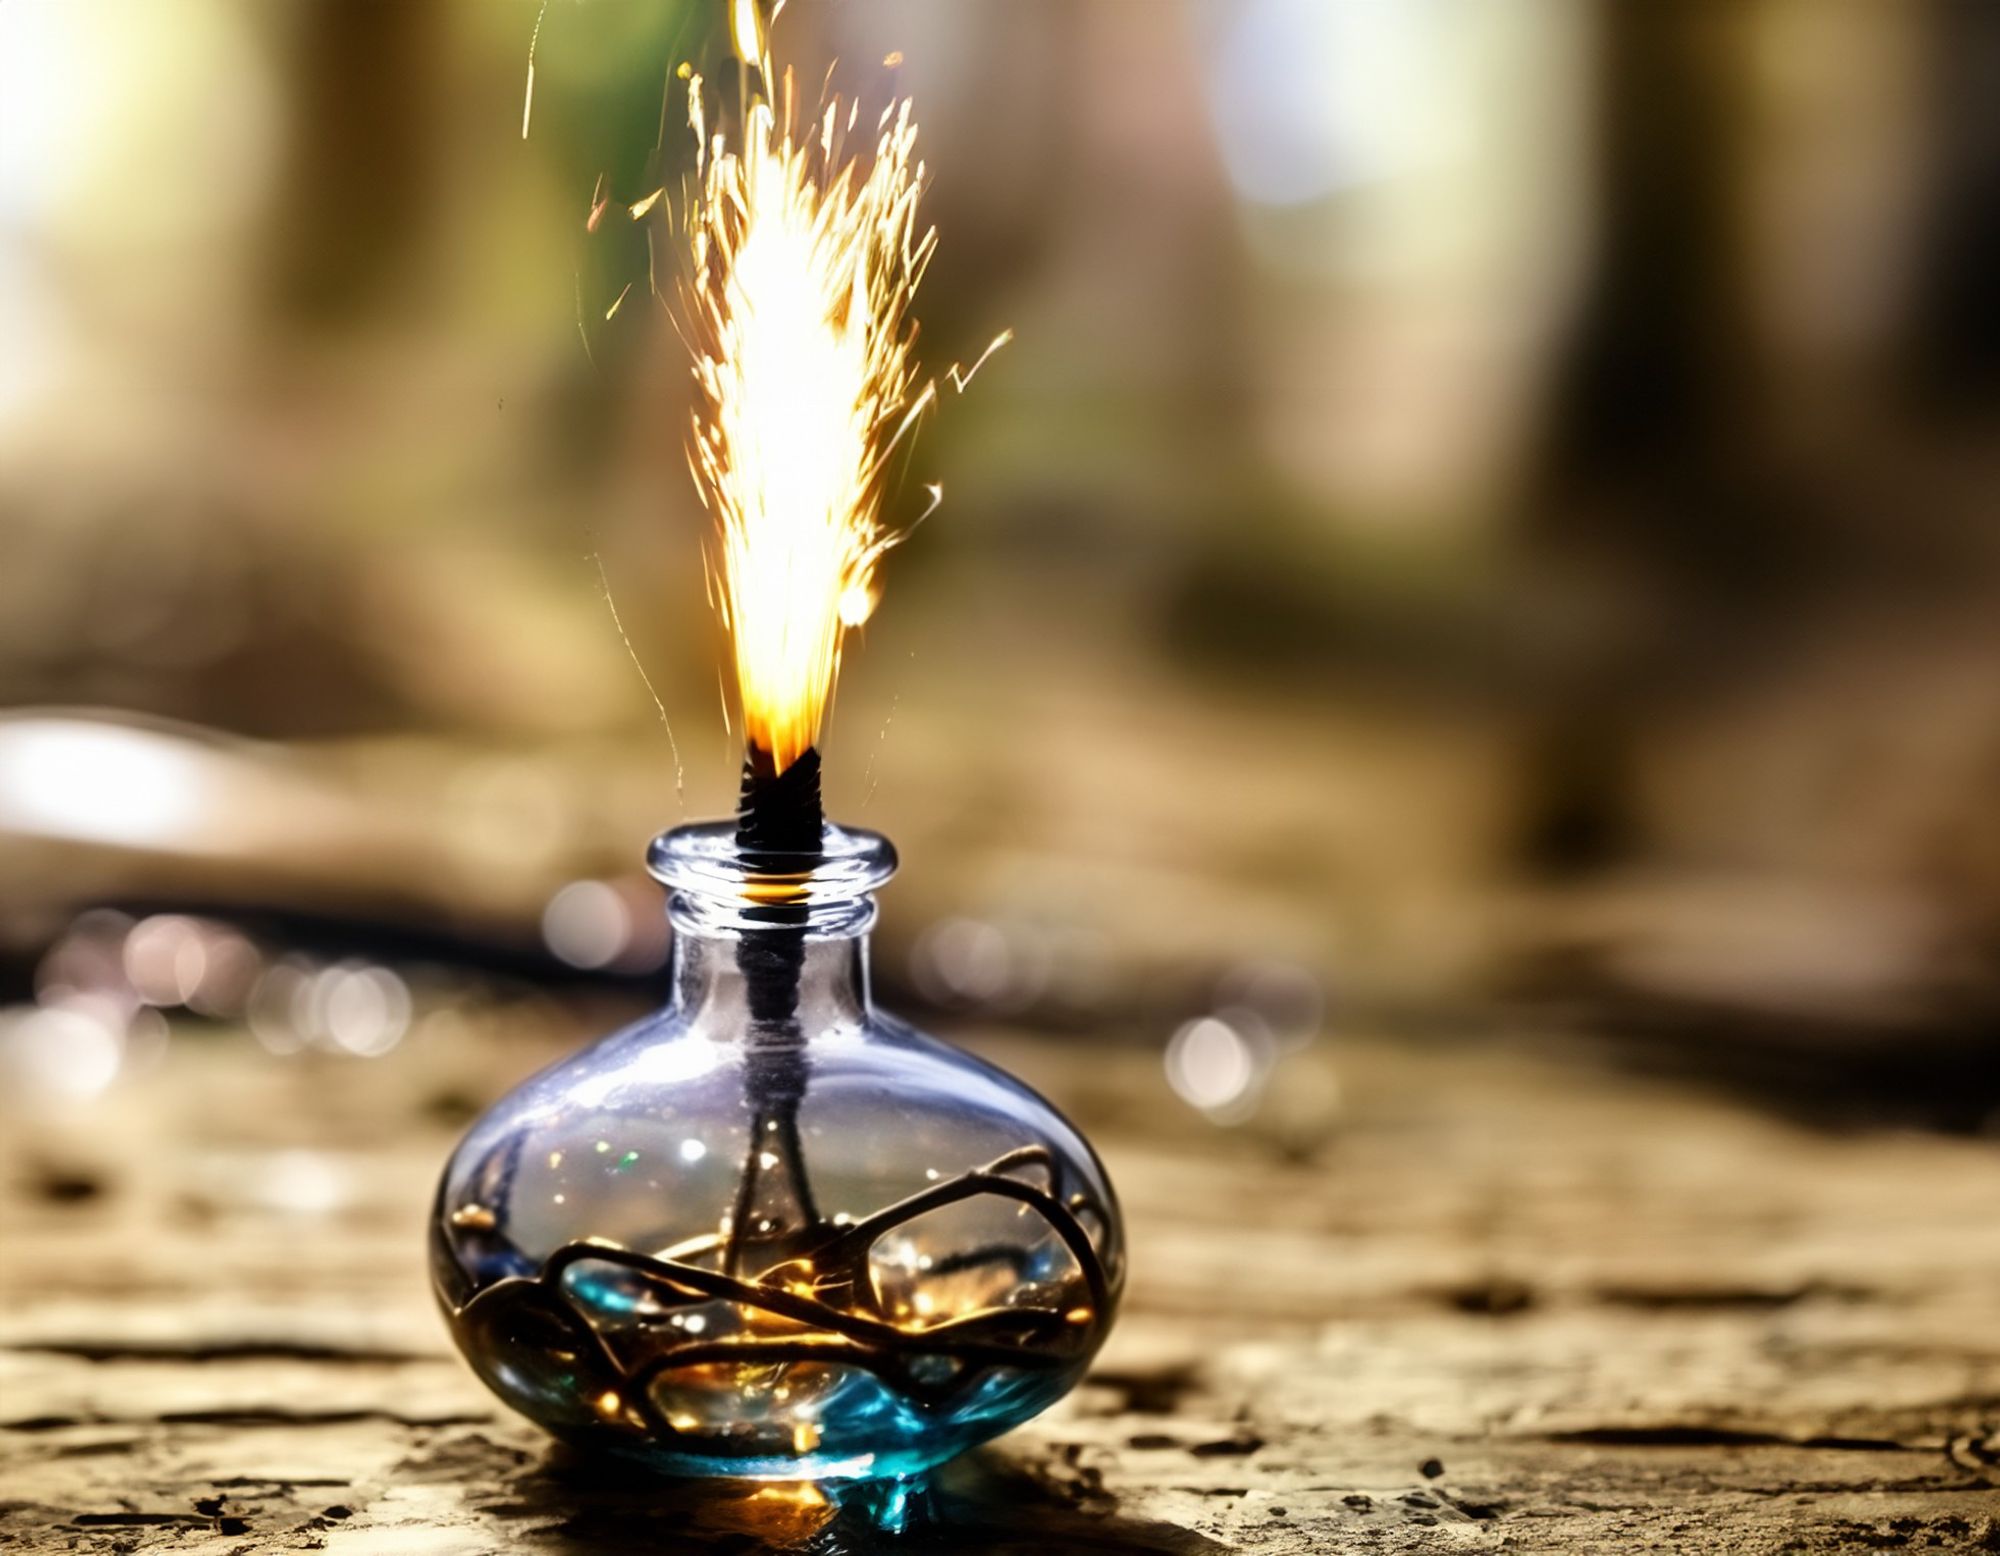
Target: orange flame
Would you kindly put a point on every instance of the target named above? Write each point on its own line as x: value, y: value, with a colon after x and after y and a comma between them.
x: 804, y: 266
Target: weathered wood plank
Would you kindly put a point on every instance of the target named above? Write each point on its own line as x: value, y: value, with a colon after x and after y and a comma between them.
x: 1504, y: 1303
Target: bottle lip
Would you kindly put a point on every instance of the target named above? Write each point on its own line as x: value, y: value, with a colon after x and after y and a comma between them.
x: 702, y: 860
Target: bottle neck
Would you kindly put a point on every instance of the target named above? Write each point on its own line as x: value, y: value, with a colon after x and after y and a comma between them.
x: 772, y: 946
x: 711, y: 986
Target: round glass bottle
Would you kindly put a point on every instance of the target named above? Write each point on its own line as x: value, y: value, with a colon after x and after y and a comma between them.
x: 801, y: 1241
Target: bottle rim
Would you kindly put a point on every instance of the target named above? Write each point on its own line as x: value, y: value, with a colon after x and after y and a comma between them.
x: 711, y: 880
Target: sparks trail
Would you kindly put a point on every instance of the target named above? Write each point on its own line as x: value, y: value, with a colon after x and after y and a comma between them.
x: 528, y: 96
x: 583, y: 334
x: 659, y: 707
x: 960, y: 378
x: 881, y: 740
x: 803, y: 262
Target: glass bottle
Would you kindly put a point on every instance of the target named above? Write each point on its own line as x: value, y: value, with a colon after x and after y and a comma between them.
x: 787, y: 1243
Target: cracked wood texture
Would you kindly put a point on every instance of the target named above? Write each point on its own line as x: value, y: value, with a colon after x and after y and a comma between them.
x: 1494, y: 1299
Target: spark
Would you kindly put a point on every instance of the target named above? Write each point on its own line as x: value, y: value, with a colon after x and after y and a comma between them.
x: 881, y: 740
x: 583, y: 334
x: 745, y: 32
x: 935, y: 491
x: 804, y: 265
x: 528, y: 97
x: 659, y: 707
x: 962, y: 377
x: 802, y: 1495
x: 617, y: 303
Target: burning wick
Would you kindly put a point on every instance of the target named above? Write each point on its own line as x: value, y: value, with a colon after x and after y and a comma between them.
x: 803, y: 269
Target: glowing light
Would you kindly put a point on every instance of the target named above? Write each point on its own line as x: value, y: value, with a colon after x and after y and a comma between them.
x: 88, y: 959
x: 98, y: 782
x: 277, y: 1005
x: 801, y: 1494
x: 359, y: 1010
x: 171, y: 959
x: 93, y: 124
x: 303, y: 1182
x: 857, y: 604
x: 73, y: 1048
x: 803, y: 269
x: 1310, y: 99
x: 165, y: 959
x: 230, y: 965
x: 965, y: 960
x: 586, y: 924
x: 693, y: 1150
x: 1210, y: 1065
x: 745, y: 31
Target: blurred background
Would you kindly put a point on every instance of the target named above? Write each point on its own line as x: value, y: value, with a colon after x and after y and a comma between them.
x: 1484, y: 534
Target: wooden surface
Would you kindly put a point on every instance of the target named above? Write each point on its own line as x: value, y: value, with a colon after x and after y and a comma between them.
x: 1479, y: 1297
